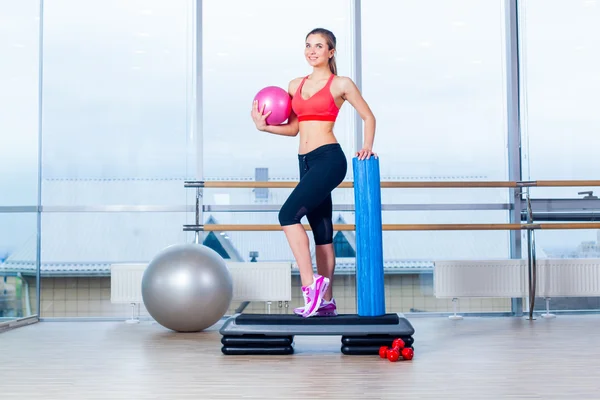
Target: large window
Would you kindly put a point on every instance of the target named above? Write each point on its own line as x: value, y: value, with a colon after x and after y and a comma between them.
x: 560, y: 64
x: 118, y: 136
x: 19, y: 85
x: 560, y: 81
x: 117, y: 102
x: 434, y: 75
x: 19, y: 131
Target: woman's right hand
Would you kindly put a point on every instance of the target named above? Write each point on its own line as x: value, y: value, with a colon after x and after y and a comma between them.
x: 260, y: 119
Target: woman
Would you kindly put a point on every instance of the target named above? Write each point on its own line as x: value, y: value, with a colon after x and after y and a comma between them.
x: 316, y: 101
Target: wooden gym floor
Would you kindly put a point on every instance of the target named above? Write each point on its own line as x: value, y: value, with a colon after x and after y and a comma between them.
x: 476, y: 358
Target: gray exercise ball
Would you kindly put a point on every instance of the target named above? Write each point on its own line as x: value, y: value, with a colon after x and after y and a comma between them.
x: 187, y: 287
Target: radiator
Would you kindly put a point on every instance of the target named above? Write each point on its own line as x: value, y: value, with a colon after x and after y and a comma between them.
x: 260, y: 281
x: 479, y: 278
x: 126, y: 283
x: 564, y: 277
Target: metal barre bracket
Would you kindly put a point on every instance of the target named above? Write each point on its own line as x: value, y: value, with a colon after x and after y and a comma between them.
x: 193, y: 228
x: 526, y: 183
x: 193, y: 184
x: 197, y: 227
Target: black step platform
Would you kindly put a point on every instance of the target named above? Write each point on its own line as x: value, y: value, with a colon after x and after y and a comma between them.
x: 370, y: 344
x: 273, y: 333
x: 292, y: 325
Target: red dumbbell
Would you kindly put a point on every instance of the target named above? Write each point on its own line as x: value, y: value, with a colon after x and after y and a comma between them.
x: 383, y: 351
x: 407, y: 353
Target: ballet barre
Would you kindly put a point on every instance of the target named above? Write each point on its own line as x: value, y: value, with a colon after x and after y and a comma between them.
x: 368, y: 187
x: 396, y: 184
x: 400, y: 227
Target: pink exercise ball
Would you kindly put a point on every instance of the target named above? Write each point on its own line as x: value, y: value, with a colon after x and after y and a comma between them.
x: 277, y: 101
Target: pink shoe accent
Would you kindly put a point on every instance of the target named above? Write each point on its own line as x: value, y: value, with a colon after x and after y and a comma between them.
x: 314, y: 295
x: 327, y: 309
x: 300, y: 310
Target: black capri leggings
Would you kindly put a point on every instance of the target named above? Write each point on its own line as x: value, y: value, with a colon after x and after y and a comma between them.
x: 321, y: 171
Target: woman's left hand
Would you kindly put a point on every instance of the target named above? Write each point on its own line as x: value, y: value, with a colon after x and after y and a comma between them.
x: 365, y: 153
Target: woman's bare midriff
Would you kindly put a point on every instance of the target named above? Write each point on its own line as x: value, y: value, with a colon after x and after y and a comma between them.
x: 315, y: 134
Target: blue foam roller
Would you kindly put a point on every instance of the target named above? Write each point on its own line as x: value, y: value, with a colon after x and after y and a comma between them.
x: 370, y: 289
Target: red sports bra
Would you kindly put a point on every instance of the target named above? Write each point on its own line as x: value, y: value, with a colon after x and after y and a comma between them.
x: 319, y: 107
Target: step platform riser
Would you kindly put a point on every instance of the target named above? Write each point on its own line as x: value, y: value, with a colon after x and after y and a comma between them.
x: 362, y: 350
x: 375, y: 340
x: 263, y: 341
x: 247, y: 351
x: 261, y: 334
